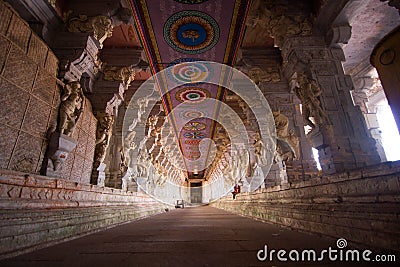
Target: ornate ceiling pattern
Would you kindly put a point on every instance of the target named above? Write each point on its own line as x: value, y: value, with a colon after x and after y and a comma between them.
x: 176, y: 32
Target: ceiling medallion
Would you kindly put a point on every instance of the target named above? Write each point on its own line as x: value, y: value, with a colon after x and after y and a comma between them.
x: 191, y: 2
x: 192, y: 114
x: 191, y: 32
x: 194, y: 126
x: 192, y: 95
x: 192, y: 142
x: 188, y: 71
x: 194, y: 135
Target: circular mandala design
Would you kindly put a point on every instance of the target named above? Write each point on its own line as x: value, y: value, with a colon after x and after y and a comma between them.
x: 194, y: 135
x: 192, y: 114
x: 188, y: 71
x: 191, y: 2
x: 194, y: 126
x: 192, y: 95
x: 191, y: 32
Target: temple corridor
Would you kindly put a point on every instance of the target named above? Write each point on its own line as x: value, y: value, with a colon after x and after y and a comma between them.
x: 279, y: 119
x: 199, y: 236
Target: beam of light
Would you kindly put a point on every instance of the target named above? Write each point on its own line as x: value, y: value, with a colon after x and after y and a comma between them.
x: 390, y: 134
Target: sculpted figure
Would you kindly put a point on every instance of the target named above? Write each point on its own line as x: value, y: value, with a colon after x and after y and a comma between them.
x: 103, y: 134
x: 143, y: 163
x: 123, y: 166
x: 293, y: 141
x: 101, y: 26
x: 260, y: 150
x: 152, y: 122
x: 71, y: 107
x: 272, y: 20
x: 281, y: 124
x: 129, y: 145
x: 125, y: 74
x: 308, y: 93
x: 258, y: 75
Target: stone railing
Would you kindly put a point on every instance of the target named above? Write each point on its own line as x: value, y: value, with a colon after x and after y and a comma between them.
x: 362, y: 206
x: 38, y: 211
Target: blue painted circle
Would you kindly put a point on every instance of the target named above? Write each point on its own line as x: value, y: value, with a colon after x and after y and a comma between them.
x: 198, y: 31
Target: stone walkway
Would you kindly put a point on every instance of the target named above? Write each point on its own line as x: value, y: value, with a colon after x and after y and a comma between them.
x: 202, y: 236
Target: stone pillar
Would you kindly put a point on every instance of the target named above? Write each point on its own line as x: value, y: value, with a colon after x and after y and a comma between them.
x: 279, y: 97
x: 366, y: 94
x: 340, y: 132
x: 387, y: 62
x: 60, y: 145
x: 103, y: 135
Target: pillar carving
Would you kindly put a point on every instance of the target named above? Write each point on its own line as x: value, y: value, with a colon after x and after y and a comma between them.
x: 61, y: 142
x: 103, y: 135
x: 101, y: 26
x: 303, y: 166
x: 80, y: 64
x: 71, y: 107
x: 277, y: 23
x: 338, y: 129
x: 126, y: 75
x: 366, y: 94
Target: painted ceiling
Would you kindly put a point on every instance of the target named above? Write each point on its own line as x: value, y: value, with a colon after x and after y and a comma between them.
x: 189, y: 31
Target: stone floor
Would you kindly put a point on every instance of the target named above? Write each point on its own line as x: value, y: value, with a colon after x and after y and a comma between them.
x: 202, y: 236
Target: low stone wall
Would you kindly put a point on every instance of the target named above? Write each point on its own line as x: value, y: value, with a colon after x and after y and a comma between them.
x: 362, y: 206
x: 37, y: 211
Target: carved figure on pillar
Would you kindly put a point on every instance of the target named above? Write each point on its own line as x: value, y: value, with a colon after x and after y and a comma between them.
x: 152, y: 122
x: 123, y: 165
x: 71, y: 107
x: 308, y: 91
x: 272, y: 18
x: 101, y: 26
x: 294, y: 143
x: 125, y: 74
x: 258, y: 75
x: 281, y: 124
x: 103, y: 135
x: 129, y: 145
x: 287, y: 143
x: 260, y: 150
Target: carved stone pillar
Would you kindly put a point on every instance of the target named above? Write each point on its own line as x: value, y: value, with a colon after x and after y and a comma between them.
x: 385, y: 58
x: 103, y: 135
x: 279, y: 97
x: 78, y: 59
x: 61, y: 142
x: 366, y: 94
x: 339, y: 133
